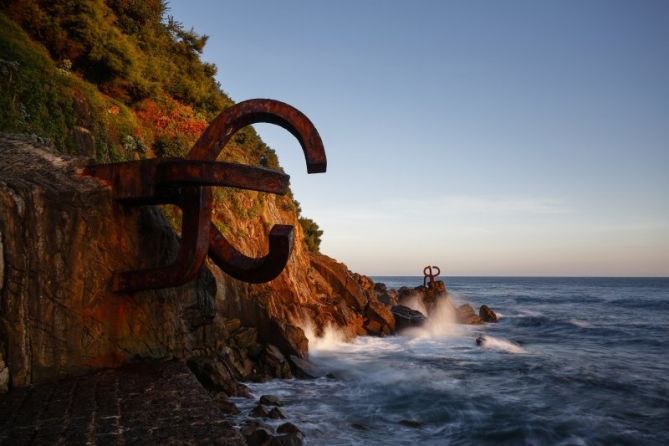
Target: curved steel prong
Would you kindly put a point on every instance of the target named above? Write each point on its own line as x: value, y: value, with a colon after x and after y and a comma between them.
x: 248, y: 269
x: 195, y: 203
x: 209, y: 146
x: 253, y: 111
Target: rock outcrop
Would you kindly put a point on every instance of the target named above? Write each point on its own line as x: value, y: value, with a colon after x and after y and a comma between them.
x: 486, y: 314
x: 62, y: 236
x: 405, y: 317
x: 466, y: 315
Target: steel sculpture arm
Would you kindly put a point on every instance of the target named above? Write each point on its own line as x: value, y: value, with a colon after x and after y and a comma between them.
x: 187, y: 183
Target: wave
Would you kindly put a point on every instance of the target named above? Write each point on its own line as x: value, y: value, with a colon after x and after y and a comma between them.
x: 579, y: 323
x: 493, y: 343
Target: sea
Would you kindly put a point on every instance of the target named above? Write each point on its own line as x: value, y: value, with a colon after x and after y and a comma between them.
x: 571, y: 361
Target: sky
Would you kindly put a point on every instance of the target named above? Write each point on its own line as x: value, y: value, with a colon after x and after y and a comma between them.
x: 485, y: 137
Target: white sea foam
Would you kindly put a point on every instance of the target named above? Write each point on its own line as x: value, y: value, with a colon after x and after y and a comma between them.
x: 330, y: 339
x: 579, y: 323
x: 501, y: 344
x: 441, y: 323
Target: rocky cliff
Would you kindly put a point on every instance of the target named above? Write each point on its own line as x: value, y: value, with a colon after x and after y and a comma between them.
x: 62, y: 236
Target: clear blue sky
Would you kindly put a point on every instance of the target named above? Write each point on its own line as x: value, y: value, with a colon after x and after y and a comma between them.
x: 487, y: 137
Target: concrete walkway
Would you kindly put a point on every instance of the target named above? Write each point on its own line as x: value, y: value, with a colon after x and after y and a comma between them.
x: 141, y: 404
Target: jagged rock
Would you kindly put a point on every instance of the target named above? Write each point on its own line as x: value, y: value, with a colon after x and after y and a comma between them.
x: 292, y: 439
x: 276, y: 414
x: 296, y: 341
x: 379, y: 319
x: 225, y: 404
x: 405, y: 293
x: 341, y: 280
x: 4, y: 371
x: 466, y: 315
x: 259, y: 411
x: 384, y: 295
x: 270, y: 400
x: 487, y: 314
x: 4, y: 377
x: 256, y: 433
x: 216, y: 377
x: 405, y: 317
x: 274, y: 363
x: 245, y: 337
x: 239, y: 360
x: 380, y: 288
x: 288, y: 428
x: 302, y: 368
x: 439, y: 287
x: 412, y: 423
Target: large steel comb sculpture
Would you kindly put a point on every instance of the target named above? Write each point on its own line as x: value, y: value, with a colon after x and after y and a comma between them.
x: 187, y: 184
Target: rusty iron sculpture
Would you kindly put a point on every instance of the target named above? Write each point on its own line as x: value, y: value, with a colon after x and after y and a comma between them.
x: 187, y: 184
x: 428, y: 274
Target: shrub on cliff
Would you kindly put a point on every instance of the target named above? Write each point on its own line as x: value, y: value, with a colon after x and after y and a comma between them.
x: 312, y: 234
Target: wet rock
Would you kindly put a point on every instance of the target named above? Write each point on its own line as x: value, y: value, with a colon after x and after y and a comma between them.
x: 256, y: 433
x: 270, y: 400
x: 487, y: 314
x: 412, y: 423
x: 288, y: 428
x: 216, y: 377
x: 239, y: 360
x: 245, y: 338
x: 466, y: 315
x: 276, y: 414
x: 274, y: 363
x: 302, y: 368
x: 4, y: 377
x: 259, y: 412
x: 293, y: 439
x: 379, y: 319
x: 4, y: 371
x: 405, y: 293
x: 226, y: 406
x: 380, y: 288
x: 439, y: 287
x: 405, y: 317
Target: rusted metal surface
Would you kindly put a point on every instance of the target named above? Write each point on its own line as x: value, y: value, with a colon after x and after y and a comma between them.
x: 429, y: 274
x: 187, y: 184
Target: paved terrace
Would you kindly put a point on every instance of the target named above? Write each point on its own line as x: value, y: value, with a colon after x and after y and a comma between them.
x: 140, y: 404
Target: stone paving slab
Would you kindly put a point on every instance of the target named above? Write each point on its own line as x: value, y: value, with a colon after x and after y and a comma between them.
x: 139, y: 404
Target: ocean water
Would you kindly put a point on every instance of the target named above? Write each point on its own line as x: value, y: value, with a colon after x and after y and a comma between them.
x: 572, y: 361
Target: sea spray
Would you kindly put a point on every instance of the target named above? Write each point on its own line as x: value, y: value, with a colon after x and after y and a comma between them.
x: 500, y: 344
x: 440, y: 323
x: 331, y: 338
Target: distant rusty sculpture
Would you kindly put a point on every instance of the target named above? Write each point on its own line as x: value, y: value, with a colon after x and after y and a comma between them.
x: 428, y: 274
x: 186, y: 183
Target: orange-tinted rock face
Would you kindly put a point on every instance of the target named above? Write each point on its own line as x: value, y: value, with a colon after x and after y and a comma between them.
x: 62, y: 237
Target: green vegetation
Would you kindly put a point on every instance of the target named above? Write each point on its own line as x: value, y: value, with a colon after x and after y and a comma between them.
x: 129, y: 74
x: 312, y: 234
